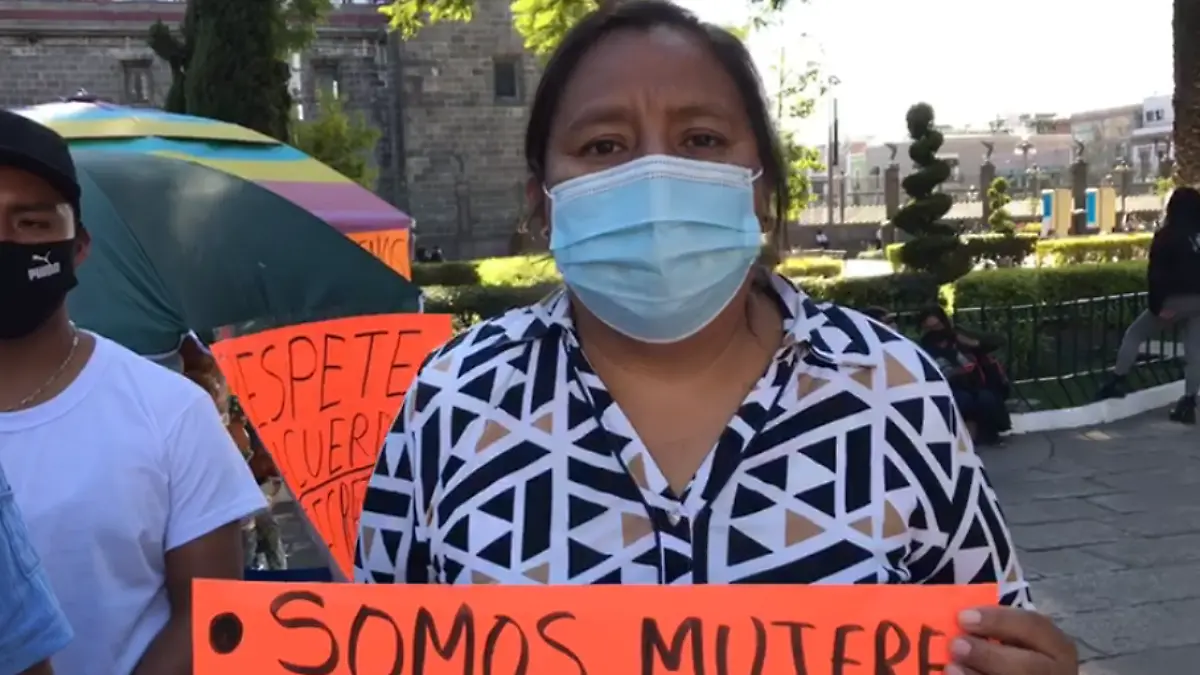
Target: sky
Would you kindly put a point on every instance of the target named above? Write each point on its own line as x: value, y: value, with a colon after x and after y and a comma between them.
x: 889, y: 54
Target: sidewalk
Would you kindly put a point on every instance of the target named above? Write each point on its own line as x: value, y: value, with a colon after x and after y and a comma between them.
x: 1107, y: 520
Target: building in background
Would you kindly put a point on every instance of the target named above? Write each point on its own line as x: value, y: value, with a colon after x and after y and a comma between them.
x: 1151, y: 144
x: 451, y: 102
x: 1106, y: 135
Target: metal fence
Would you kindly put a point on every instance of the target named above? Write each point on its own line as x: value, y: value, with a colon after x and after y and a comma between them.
x: 1058, y: 354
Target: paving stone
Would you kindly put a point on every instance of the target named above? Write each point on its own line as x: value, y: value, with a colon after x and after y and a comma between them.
x: 1090, y: 592
x: 1052, y: 511
x: 1149, y: 552
x: 1129, y: 630
x: 1065, y: 562
x: 1176, y: 661
x: 1065, y: 534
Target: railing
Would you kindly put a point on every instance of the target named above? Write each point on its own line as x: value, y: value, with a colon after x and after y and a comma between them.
x: 1057, y: 355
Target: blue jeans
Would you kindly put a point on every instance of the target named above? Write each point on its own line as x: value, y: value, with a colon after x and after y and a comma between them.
x: 32, y: 625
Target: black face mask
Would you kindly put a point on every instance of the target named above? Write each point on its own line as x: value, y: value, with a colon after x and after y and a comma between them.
x: 34, y: 282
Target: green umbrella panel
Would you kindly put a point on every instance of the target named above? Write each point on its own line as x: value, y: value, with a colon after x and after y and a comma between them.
x: 177, y: 246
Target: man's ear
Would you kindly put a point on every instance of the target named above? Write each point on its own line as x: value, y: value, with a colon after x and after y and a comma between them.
x: 83, y: 246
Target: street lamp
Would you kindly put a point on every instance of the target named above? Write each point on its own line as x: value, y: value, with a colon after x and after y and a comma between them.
x: 1124, y: 173
x: 1033, y: 177
x: 1025, y: 149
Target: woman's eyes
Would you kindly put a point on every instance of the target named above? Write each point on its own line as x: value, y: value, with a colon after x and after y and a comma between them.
x: 601, y: 147
x: 704, y: 141
x: 694, y: 141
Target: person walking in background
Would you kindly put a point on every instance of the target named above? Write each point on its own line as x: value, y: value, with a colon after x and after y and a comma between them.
x: 822, y: 240
x: 32, y: 625
x: 663, y: 418
x: 1173, y: 280
x: 130, y: 485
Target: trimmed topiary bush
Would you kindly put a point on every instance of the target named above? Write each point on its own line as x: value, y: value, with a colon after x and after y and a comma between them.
x: 935, y: 248
x: 1000, y: 221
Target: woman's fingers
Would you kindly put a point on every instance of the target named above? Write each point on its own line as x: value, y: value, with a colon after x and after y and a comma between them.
x: 1019, y: 628
x: 991, y: 658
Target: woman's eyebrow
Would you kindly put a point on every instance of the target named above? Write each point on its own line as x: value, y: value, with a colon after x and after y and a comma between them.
x: 610, y: 113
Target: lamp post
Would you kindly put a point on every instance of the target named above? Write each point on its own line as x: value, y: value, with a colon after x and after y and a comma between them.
x: 1026, y: 149
x: 1033, y: 177
x: 1124, y: 173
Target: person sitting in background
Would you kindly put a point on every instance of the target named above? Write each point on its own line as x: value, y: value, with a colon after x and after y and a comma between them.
x: 1173, y: 280
x: 976, y: 380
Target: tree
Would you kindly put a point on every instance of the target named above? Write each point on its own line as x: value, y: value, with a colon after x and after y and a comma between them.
x: 342, y: 140
x: 235, y: 74
x: 1186, y: 26
x: 542, y: 23
x: 936, y: 248
x: 1000, y: 221
x: 293, y: 28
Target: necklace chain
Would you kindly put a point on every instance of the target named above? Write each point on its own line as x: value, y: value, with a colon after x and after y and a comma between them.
x: 53, y: 377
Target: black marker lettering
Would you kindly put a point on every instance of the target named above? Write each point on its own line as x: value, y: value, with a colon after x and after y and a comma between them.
x: 925, y: 664
x: 399, y: 365
x: 295, y: 347
x: 327, y: 365
x: 371, y: 337
x: 885, y: 663
x: 841, y: 658
x: 425, y: 635
x: 361, y: 456
x: 278, y: 604
x: 796, y: 638
x: 356, y: 628
x: 671, y: 657
x: 760, y: 648
x: 543, y: 625
x: 336, y: 467
x: 493, y: 640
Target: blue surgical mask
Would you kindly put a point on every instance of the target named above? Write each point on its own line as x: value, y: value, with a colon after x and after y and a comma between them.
x: 656, y: 248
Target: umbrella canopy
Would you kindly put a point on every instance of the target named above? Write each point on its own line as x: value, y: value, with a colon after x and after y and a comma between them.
x: 178, y: 246
x: 247, y: 154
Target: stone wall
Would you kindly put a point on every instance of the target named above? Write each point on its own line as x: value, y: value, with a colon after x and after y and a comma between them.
x: 451, y: 152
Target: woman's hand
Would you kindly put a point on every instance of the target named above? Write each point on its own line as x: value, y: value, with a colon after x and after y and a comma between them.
x: 1009, y: 641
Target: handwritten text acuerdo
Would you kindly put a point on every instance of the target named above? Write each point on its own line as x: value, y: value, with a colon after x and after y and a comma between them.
x: 323, y: 398
x: 492, y: 629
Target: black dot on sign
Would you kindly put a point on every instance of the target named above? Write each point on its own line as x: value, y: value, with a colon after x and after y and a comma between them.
x: 225, y: 633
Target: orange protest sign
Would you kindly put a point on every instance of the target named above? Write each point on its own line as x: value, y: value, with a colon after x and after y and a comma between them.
x: 342, y: 629
x: 322, y: 397
x: 390, y: 246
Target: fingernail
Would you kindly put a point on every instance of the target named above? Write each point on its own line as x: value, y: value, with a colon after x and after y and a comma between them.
x: 970, y: 617
x: 960, y: 648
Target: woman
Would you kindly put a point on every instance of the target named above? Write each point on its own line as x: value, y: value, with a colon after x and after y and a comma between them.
x: 977, y: 381
x: 676, y: 415
x: 1174, y: 288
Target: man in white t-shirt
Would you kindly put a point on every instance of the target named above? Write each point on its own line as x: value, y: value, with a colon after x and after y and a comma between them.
x: 129, y: 483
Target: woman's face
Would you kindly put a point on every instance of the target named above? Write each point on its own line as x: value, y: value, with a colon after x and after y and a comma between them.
x: 932, y: 324
x: 649, y: 92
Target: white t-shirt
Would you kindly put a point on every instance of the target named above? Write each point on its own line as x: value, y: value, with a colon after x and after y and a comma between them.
x: 129, y: 462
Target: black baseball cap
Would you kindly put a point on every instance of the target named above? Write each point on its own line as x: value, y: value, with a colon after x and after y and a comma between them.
x: 39, y: 150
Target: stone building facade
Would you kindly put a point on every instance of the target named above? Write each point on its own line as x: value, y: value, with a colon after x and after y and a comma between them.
x: 451, y: 103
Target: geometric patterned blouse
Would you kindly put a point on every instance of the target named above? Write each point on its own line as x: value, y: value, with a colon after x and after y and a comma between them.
x: 847, y: 463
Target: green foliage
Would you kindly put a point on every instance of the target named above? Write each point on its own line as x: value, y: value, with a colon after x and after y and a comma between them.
x: 235, y: 74
x: 1000, y: 221
x: 1027, y: 286
x: 542, y: 23
x: 1164, y: 185
x: 1000, y: 249
x: 936, y: 248
x: 341, y: 140
x: 823, y: 267
x: 293, y: 28
x: 1094, y: 249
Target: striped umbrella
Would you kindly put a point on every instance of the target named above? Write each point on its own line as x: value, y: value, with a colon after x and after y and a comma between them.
x: 351, y: 209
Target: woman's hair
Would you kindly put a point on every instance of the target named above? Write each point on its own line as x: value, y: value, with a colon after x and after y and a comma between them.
x: 938, y: 313
x: 1183, y: 208
x: 644, y: 15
